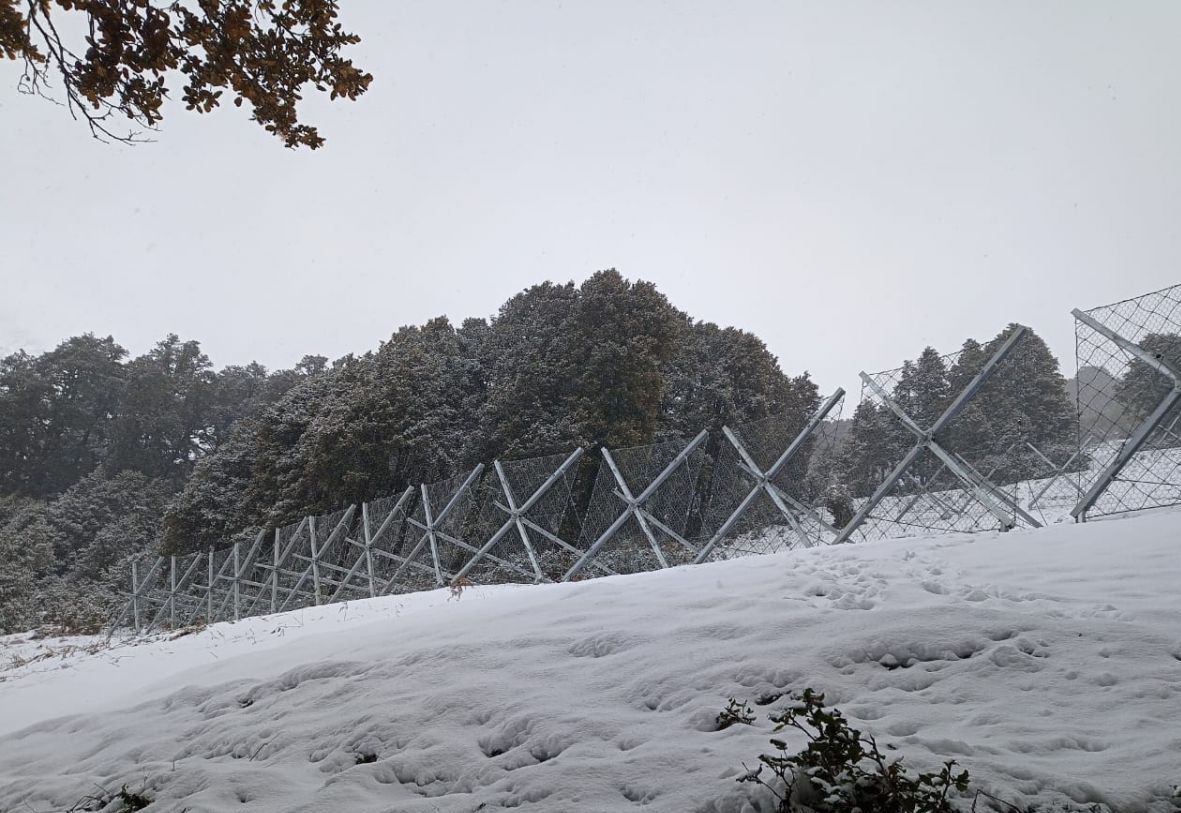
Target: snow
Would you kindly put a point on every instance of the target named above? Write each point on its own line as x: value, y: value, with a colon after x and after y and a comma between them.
x: 1047, y: 662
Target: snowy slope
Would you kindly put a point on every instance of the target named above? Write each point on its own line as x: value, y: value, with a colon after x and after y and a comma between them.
x: 1047, y: 662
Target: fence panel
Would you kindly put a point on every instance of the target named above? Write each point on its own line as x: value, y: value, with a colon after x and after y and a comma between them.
x: 773, y: 485
x: 1129, y: 403
x: 940, y: 445
x: 639, y: 509
x: 525, y: 507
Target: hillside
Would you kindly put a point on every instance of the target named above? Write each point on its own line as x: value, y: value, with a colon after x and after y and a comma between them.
x: 1047, y: 663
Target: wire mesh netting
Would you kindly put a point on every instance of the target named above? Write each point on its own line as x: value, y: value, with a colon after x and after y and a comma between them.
x: 437, y: 541
x: 340, y: 557
x: 254, y: 581
x: 662, y: 478
x: 293, y: 574
x: 389, y: 531
x: 150, y: 590
x: 975, y: 473
x: 189, y: 596
x: 762, y: 501
x: 531, y: 545
x: 1127, y: 411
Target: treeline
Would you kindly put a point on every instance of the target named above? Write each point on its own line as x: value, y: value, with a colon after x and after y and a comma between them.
x: 102, y: 457
x: 94, y: 448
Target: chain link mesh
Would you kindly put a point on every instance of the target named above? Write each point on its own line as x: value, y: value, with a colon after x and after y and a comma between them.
x: 534, y: 548
x: 798, y: 504
x: 389, y: 533
x: 437, y: 540
x: 991, y: 448
x: 651, y: 532
x: 293, y: 574
x: 1118, y: 391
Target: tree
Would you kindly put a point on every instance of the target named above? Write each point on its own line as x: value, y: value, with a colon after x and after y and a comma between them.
x: 164, y: 422
x: 265, y: 53
x: 1023, y: 403
x: 65, y: 562
x: 249, y: 477
x: 530, y: 370
x: 624, y: 333
x: 26, y: 559
x: 609, y: 362
x: 214, y: 507
x: 873, y: 447
x: 104, y: 520
x: 725, y: 376
x: 923, y: 390
x: 1142, y: 388
x: 24, y: 395
x: 56, y: 413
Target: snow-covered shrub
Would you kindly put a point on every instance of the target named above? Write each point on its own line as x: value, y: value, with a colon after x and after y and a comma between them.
x: 735, y: 713
x: 840, y: 769
x: 122, y: 801
x: 76, y: 607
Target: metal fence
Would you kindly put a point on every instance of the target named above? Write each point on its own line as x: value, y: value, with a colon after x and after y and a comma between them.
x: 761, y: 487
x: 1129, y: 403
x: 951, y: 468
x: 966, y: 442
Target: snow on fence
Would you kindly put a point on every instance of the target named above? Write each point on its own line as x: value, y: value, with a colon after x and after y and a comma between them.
x: 958, y: 443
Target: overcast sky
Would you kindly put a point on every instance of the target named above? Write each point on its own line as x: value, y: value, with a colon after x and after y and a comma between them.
x: 849, y: 181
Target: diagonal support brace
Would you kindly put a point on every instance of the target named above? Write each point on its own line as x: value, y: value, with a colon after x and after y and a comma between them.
x: 1144, y: 430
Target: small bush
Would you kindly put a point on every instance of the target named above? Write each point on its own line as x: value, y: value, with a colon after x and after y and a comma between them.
x: 735, y: 713
x: 841, y: 769
x: 124, y: 801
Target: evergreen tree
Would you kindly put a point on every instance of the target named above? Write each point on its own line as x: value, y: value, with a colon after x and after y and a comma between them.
x: 624, y: 333
x: 530, y: 371
x: 214, y: 508
x: 239, y: 485
x: 1142, y: 388
x: 56, y: 413
x: 923, y: 390
x: 105, y: 519
x: 872, y: 448
x: 165, y: 418
x: 24, y: 399
x: 1023, y: 403
x: 725, y: 376
x: 26, y: 561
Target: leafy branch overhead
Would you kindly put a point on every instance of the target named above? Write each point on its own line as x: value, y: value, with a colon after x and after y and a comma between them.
x: 264, y: 53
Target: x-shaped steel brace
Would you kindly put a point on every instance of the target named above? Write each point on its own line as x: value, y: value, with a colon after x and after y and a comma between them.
x: 518, y: 519
x: 763, y: 479
x: 634, y: 507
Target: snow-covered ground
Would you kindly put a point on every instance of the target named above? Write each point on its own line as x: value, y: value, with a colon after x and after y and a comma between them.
x: 1048, y: 663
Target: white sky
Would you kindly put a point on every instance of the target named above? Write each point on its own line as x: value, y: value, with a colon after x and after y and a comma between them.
x: 848, y: 181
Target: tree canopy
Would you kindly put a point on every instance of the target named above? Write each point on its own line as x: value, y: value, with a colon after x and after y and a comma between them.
x: 116, y: 59
x: 608, y: 363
